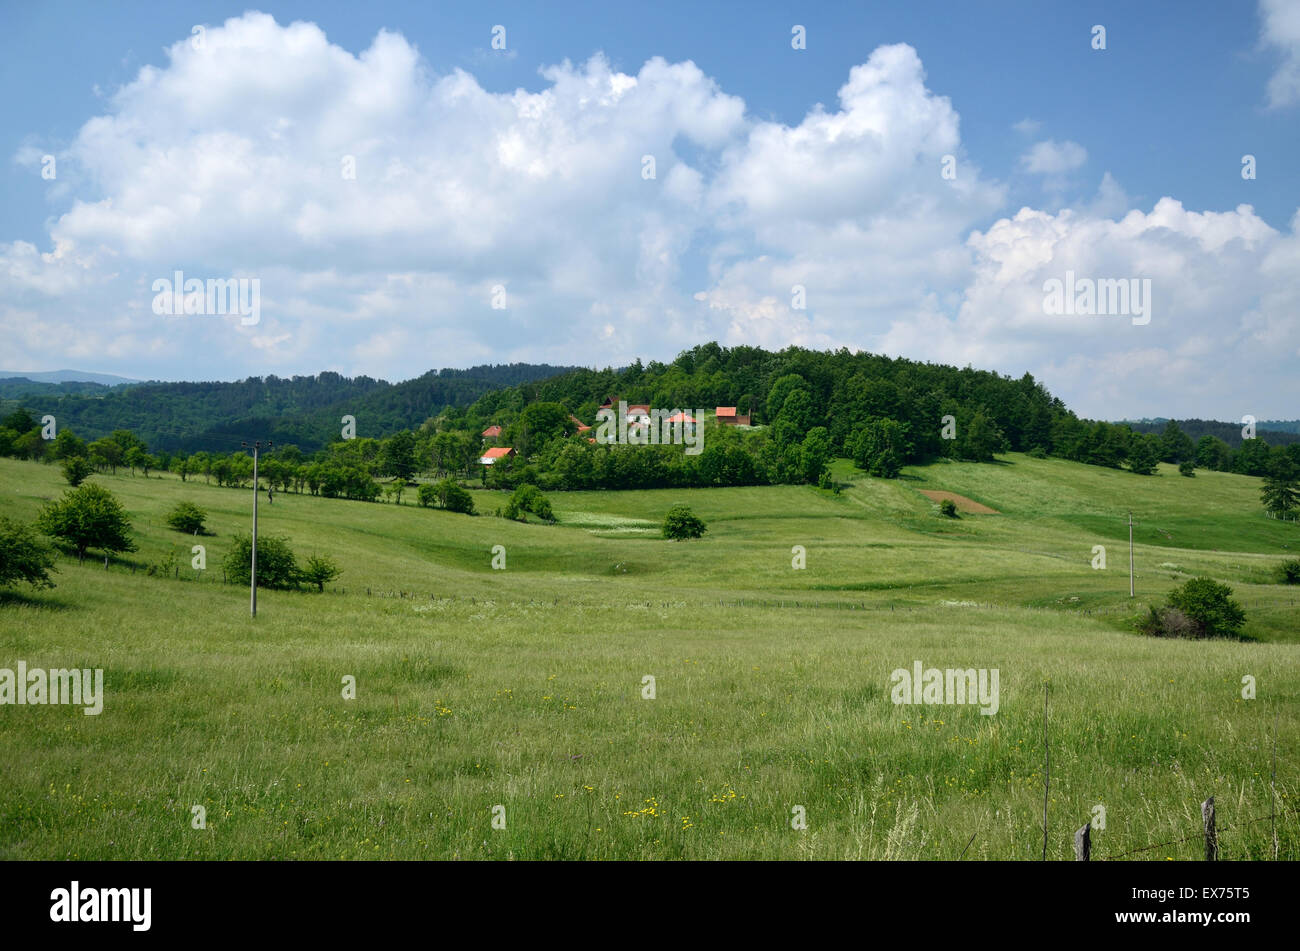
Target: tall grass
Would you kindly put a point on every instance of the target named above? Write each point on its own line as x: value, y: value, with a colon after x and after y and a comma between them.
x: 523, y: 688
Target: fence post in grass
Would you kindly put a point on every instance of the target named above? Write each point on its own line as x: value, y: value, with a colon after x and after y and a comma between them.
x: 1083, y: 843
x: 1211, y: 836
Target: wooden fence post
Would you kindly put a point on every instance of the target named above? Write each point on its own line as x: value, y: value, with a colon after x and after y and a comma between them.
x: 1083, y: 843
x: 1211, y: 837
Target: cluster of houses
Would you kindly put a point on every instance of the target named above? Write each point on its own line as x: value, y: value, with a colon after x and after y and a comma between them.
x: 638, y: 415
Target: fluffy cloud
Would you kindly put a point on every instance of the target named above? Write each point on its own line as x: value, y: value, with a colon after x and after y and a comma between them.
x: 232, y: 160
x: 853, y: 207
x: 1053, y: 158
x: 1281, y: 32
x: 1224, y: 293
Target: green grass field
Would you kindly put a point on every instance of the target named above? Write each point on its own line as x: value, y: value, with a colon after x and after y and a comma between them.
x: 522, y: 688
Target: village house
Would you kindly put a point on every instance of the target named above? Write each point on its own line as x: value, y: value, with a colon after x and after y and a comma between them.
x: 726, y: 416
x: 492, y: 432
x: 492, y: 455
x: 637, y: 417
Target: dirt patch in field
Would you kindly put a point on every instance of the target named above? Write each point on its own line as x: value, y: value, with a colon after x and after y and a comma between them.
x: 963, y: 504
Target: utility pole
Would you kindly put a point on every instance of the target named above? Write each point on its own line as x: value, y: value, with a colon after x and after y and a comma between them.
x: 1130, y: 554
x: 252, y: 574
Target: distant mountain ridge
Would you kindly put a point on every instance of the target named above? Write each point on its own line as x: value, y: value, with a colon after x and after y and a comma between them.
x: 68, y: 376
x: 303, y: 410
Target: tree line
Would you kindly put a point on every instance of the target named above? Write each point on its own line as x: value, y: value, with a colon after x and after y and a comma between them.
x: 807, y: 407
x: 302, y: 410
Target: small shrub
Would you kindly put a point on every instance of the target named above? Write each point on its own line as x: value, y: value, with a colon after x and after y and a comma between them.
x: 166, y: 566
x: 88, y: 516
x: 448, y: 495
x: 1038, y: 452
x: 1187, y: 468
x: 824, y: 481
x: 23, y: 557
x: 276, y: 565
x: 320, y: 570
x: 77, y: 470
x: 948, y: 508
x: 1168, y: 622
x: 528, y: 498
x: 1289, y: 571
x: 1200, y: 607
x: 187, y: 517
x: 681, y: 522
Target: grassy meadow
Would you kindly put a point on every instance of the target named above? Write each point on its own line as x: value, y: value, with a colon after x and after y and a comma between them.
x: 522, y: 687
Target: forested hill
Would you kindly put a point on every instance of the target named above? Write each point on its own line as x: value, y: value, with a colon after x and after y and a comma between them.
x: 1274, y: 432
x: 800, y: 390
x: 302, y: 410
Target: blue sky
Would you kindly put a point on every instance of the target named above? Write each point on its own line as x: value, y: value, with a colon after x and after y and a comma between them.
x: 217, y: 162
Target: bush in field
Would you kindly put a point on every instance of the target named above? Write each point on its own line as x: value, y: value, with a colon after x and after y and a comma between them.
x: 187, y: 517
x: 1289, y: 571
x: 948, y: 508
x: 276, y: 565
x: 681, y: 522
x: 448, y: 495
x: 320, y: 570
x: 1201, y: 607
x: 77, y: 470
x: 23, y: 557
x: 1187, y: 468
x: 88, y: 517
x: 1168, y: 622
x: 528, y: 498
x: 1210, y: 605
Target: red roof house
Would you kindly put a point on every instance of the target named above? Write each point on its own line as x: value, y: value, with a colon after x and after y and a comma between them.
x: 727, y: 416
x: 492, y: 432
x: 492, y: 455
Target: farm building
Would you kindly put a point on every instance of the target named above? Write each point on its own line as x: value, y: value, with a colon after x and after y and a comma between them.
x: 726, y: 416
x: 492, y: 455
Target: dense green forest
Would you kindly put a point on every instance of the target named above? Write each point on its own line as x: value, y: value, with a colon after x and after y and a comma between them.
x: 806, y: 408
x: 303, y: 410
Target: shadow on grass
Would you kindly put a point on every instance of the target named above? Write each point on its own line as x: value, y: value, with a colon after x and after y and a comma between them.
x: 44, y: 602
